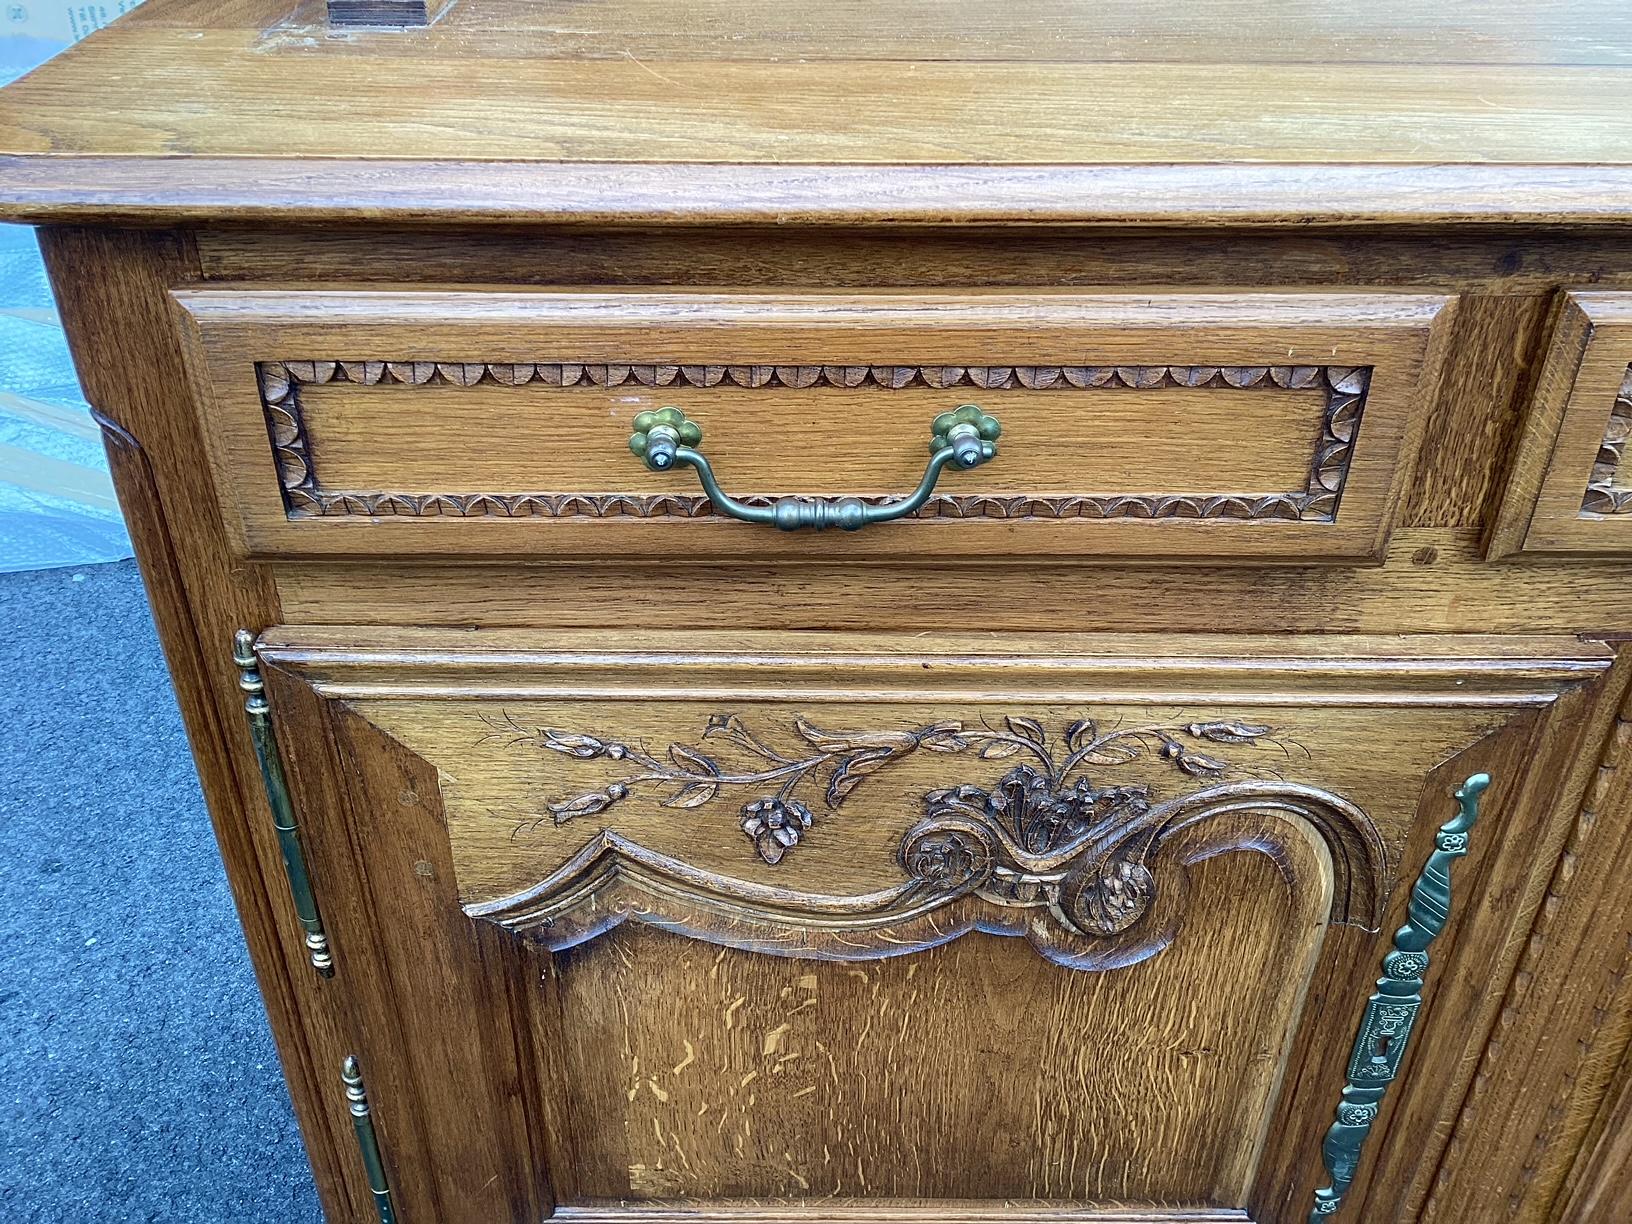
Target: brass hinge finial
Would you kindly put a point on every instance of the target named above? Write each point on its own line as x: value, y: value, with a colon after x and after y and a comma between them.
x: 362, y: 1121
x: 259, y: 714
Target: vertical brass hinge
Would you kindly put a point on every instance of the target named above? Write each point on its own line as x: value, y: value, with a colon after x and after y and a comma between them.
x: 363, y: 1122
x: 1385, y: 1025
x: 277, y: 795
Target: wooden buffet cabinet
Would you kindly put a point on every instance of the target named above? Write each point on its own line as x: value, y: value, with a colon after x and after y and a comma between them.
x: 1100, y: 832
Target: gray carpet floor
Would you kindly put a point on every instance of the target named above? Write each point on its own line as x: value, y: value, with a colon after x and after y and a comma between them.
x: 138, y: 1074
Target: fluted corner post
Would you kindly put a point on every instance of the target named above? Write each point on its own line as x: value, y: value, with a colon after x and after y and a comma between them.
x: 259, y: 714
x: 362, y: 1121
x: 1385, y: 1025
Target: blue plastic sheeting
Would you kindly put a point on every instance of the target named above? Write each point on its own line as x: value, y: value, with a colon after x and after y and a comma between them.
x: 56, y: 501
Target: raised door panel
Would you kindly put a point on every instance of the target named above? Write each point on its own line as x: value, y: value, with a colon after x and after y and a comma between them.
x: 1024, y: 920
x: 1212, y: 427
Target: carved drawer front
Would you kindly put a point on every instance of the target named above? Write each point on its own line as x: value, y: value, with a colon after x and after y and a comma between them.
x: 1048, y: 917
x: 1217, y: 427
x: 1570, y: 490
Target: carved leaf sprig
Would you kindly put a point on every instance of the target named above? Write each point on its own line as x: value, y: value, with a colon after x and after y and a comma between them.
x: 838, y: 762
x: 1177, y: 746
x: 855, y: 755
x: 835, y: 762
x: 588, y: 804
x: 731, y: 727
x: 1228, y: 732
x: 1086, y: 745
x: 584, y: 747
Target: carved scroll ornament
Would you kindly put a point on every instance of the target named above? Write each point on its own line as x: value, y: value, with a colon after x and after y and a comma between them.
x: 1091, y: 871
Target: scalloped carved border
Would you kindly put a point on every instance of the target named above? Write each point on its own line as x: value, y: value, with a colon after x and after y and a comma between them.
x: 1317, y: 501
x: 1604, y: 494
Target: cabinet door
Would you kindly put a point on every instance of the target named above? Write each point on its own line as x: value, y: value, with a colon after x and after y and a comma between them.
x: 963, y: 928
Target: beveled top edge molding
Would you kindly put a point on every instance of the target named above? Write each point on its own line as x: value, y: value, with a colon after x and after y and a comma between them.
x: 56, y: 188
x: 1241, y: 649
x: 1494, y: 672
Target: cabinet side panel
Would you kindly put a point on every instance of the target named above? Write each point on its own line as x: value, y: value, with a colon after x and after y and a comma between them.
x: 1545, y: 1081
x: 111, y: 287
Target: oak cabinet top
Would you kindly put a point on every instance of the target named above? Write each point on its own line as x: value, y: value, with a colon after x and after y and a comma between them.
x: 1281, y: 111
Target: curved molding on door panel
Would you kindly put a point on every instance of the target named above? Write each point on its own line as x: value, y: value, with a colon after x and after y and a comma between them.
x: 1112, y: 896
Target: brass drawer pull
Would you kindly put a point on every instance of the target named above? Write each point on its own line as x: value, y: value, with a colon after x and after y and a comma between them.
x: 965, y: 438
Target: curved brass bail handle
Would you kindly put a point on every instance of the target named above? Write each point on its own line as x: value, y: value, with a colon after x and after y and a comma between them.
x: 965, y: 438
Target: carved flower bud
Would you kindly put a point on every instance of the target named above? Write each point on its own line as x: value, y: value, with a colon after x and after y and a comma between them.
x: 774, y: 825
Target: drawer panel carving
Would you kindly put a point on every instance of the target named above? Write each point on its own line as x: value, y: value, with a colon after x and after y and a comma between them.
x: 1570, y: 490
x: 1324, y: 469
x: 1610, y: 489
x: 431, y: 422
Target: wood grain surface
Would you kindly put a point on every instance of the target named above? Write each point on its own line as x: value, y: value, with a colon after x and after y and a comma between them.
x: 845, y: 111
x: 463, y: 92
x: 966, y: 1071
x: 1551, y: 1139
x: 1280, y: 31
x: 1432, y: 580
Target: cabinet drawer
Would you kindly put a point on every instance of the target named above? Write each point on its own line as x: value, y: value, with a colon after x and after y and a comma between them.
x: 1076, y: 919
x: 1570, y: 490
x: 1190, y: 426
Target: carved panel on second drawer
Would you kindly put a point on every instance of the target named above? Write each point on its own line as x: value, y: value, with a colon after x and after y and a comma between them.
x: 498, y: 423
x: 1570, y: 489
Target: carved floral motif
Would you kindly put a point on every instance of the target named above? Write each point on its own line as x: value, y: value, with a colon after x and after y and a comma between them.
x: 1317, y: 501
x: 1045, y: 835
x: 833, y: 763
x: 774, y: 825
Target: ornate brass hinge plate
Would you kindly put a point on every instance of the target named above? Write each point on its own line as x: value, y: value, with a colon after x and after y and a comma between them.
x: 1385, y: 1025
